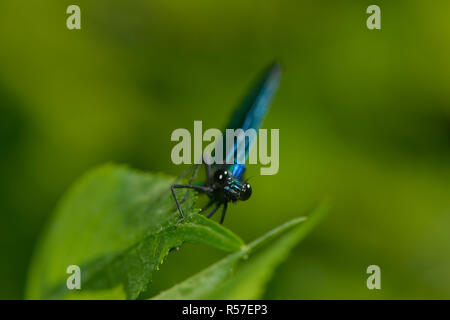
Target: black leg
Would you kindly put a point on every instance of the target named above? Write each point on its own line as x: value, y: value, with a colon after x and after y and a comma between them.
x: 197, y: 166
x: 208, y: 170
x: 209, y: 178
x: 224, y: 210
x: 184, y: 173
x: 160, y: 197
x: 210, y: 203
x: 183, y: 186
x: 213, y: 211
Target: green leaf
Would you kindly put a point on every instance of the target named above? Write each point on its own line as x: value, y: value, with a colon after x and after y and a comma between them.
x: 117, y: 225
x: 244, y: 274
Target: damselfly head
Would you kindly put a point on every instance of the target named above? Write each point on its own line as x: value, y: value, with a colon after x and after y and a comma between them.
x: 222, y: 177
x: 246, y: 192
x: 231, y: 188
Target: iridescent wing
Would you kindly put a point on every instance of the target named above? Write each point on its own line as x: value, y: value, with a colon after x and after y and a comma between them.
x: 250, y: 114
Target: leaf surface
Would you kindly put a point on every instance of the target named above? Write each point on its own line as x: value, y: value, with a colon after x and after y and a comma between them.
x: 244, y: 274
x: 118, y: 226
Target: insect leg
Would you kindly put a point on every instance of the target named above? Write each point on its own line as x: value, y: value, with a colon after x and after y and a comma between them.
x: 185, y: 186
x: 197, y: 166
x: 210, y: 203
x: 224, y: 210
x: 163, y: 194
x: 184, y: 173
x: 213, y: 211
x: 207, y: 169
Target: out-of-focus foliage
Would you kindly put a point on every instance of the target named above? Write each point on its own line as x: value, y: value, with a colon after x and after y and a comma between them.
x: 364, y: 117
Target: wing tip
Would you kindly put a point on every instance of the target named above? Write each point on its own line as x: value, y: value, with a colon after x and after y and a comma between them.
x: 274, y: 71
x: 275, y: 67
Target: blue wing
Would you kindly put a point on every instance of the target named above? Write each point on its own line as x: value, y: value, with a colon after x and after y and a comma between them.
x: 252, y: 111
x: 250, y: 115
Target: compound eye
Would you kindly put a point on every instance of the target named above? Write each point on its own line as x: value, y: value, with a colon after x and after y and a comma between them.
x: 246, y: 192
x: 221, y: 176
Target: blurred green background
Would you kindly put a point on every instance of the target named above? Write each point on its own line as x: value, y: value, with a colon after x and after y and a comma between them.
x: 364, y: 118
